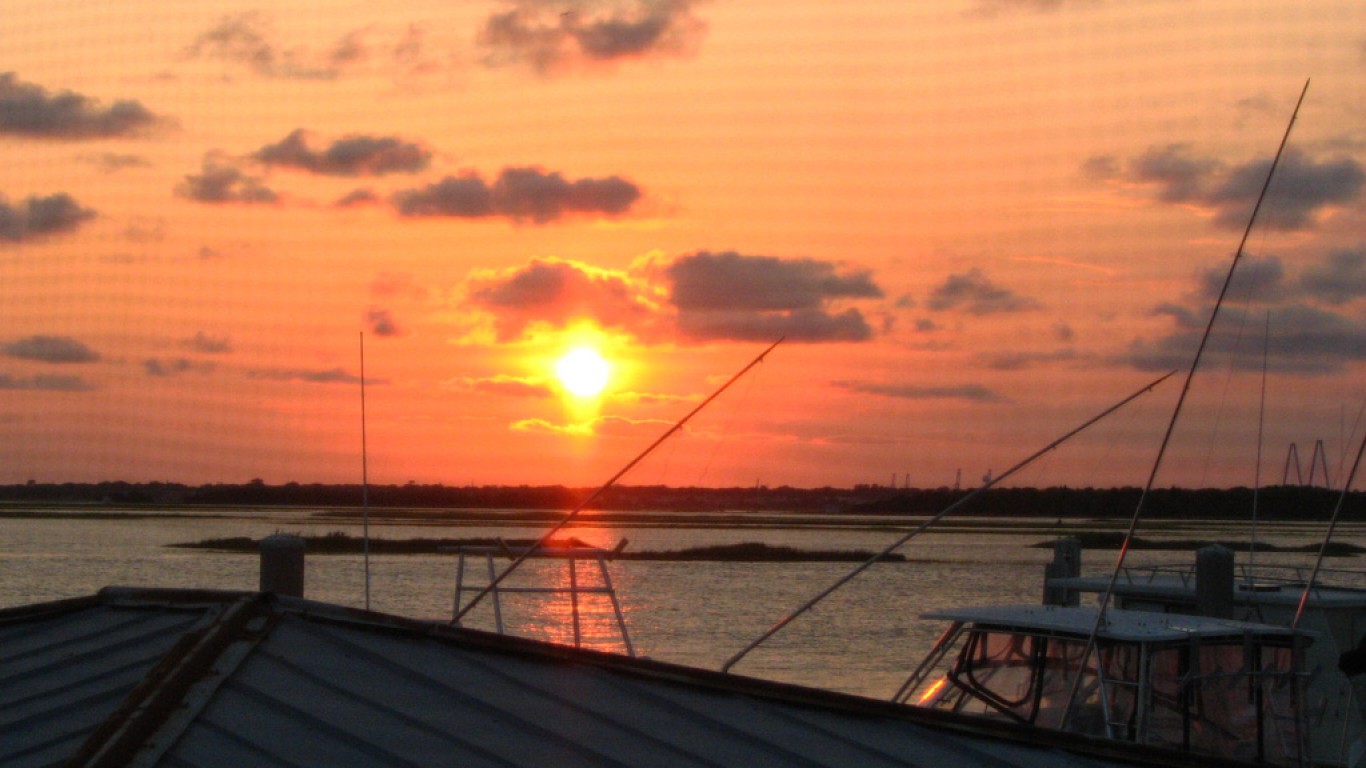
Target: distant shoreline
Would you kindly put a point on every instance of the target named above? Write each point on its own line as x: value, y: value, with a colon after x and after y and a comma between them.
x: 413, y: 501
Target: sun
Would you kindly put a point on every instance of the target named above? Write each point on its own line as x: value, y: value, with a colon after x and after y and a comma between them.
x: 583, y: 372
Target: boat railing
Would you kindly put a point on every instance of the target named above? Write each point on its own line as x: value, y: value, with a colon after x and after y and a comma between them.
x: 1249, y: 577
x: 466, y: 589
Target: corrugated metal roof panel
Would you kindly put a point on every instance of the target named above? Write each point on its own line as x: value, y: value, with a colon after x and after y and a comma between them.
x: 162, y: 678
x: 62, y: 673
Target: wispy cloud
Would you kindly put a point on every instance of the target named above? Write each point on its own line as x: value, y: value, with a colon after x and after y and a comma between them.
x: 969, y: 392
x: 45, y: 383
x: 248, y: 40
x: 312, y: 376
x: 221, y: 181
x: 505, y: 386
x: 973, y: 292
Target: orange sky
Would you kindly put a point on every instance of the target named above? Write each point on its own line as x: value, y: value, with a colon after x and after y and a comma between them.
x: 977, y: 223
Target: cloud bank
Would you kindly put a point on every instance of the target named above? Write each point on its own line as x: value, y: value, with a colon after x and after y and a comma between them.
x: 1314, y: 317
x: 697, y: 297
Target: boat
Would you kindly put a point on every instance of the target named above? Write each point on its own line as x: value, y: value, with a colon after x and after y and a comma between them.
x: 1198, y: 658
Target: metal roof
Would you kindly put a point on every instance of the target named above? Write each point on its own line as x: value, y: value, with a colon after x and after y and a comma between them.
x: 197, y: 678
x: 1134, y: 626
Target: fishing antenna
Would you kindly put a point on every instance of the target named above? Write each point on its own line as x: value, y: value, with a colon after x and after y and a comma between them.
x: 492, y: 585
x: 1323, y: 548
x: 1257, y: 470
x: 809, y: 604
x: 1176, y: 412
x: 364, y: 477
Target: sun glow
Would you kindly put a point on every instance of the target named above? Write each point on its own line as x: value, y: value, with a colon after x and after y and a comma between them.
x: 583, y: 372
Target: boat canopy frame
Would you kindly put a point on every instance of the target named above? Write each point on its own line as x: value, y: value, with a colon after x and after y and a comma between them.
x: 1238, y: 692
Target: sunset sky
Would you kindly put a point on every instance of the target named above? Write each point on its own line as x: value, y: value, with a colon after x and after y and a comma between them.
x: 976, y: 223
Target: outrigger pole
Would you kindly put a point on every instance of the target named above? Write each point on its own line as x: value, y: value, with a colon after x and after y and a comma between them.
x: 1176, y: 412
x: 592, y: 497
x: 809, y: 604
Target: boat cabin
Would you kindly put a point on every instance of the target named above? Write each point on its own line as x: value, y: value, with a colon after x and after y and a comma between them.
x: 1197, y: 684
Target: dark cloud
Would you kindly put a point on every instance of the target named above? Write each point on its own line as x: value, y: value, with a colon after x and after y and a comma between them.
x: 1340, y: 279
x: 729, y: 295
x: 165, y: 368
x: 1302, y: 189
x: 558, y: 293
x: 381, y: 322
x: 40, y: 216
x: 211, y: 345
x: 354, y: 155
x: 30, y: 110
x: 223, y: 182
x: 1019, y: 361
x: 806, y: 325
x: 972, y: 392
x: 550, y: 39
x: 324, y: 376
x: 975, y: 294
x: 45, y: 383
x: 51, y: 349
x: 1263, y: 278
x: 464, y: 196
x: 520, y: 193
x: 1180, y: 175
x: 732, y: 281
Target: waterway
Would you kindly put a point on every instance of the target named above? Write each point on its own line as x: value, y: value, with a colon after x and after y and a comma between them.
x: 865, y: 639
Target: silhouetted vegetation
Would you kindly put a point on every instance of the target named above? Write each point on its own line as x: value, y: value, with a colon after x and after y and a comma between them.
x: 337, y: 543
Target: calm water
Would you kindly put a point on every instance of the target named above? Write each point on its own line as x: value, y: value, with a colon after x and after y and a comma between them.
x: 864, y: 639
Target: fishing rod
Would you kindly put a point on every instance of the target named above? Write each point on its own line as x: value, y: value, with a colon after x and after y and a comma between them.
x: 809, y: 604
x: 603, y: 488
x: 1176, y: 412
